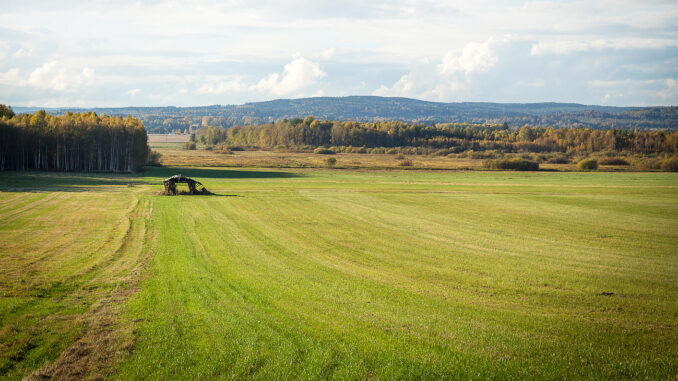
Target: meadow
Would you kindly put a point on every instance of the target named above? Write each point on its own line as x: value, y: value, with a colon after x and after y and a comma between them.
x: 172, y: 153
x: 333, y: 273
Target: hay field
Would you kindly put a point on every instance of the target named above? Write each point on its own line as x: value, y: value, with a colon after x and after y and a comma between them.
x: 174, y: 155
x: 167, y: 138
x: 315, y: 274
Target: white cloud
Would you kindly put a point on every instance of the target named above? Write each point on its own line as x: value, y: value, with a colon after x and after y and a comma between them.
x: 300, y: 75
x: 564, y: 47
x: 297, y: 75
x: 475, y: 56
x: 402, y: 88
x: 418, y: 48
x: 328, y: 53
x: 11, y: 77
x: 133, y: 92
x: 670, y: 93
x: 21, y: 53
x: 218, y: 86
x: 58, y: 76
x: 614, y: 91
x: 450, y: 78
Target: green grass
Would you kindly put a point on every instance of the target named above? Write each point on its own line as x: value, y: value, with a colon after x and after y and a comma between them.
x: 353, y: 274
x: 64, y: 245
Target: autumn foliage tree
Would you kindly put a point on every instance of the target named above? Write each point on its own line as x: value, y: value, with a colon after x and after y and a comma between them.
x: 459, y: 136
x: 83, y: 142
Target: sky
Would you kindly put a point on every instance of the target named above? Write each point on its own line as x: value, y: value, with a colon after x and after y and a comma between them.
x: 111, y: 53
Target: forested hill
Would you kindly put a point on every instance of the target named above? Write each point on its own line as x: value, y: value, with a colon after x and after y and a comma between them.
x: 371, y: 108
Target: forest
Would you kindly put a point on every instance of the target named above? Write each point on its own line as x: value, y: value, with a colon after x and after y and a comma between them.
x: 84, y: 142
x: 373, y: 109
x: 457, y: 136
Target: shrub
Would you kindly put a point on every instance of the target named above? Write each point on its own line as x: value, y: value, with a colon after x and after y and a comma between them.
x: 236, y: 148
x: 491, y: 154
x: 405, y: 163
x: 392, y: 151
x: 613, y: 161
x: 648, y: 163
x: 330, y: 162
x: 400, y: 156
x: 153, y: 157
x: 558, y: 160
x: 190, y: 145
x: 223, y: 149
x: 323, y: 151
x: 539, y: 158
x: 588, y: 164
x: 514, y: 164
x: 670, y: 164
x: 209, y: 147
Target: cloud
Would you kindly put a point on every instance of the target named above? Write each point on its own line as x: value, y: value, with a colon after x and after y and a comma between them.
x: 665, y: 90
x: 297, y: 75
x: 22, y: 53
x: 565, y: 47
x: 210, y: 51
x: 58, y: 76
x: 53, y: 75
x: 402, y: 88
x: 670, y: 93
x: 475, y: 56
x: 11, y: 77
x: 133, y: 92
x: 447, y: 79
x: 328, y: 53
x: 218, y: 86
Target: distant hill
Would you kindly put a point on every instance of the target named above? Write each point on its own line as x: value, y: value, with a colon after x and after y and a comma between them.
x: 371, y: 108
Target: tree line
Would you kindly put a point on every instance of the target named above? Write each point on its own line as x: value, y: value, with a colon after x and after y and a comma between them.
x: 458, y: 136
x: 84, y: 142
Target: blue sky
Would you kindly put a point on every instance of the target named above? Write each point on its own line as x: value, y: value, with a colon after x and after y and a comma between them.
x: 159, y: 53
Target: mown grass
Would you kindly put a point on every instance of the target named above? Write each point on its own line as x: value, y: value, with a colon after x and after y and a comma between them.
x: 65, y: 244
x: 412, y: 275
x: 381, y: 274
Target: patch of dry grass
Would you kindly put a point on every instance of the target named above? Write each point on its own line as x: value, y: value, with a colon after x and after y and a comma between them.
x: 167, y: 138
x: 272, y: 159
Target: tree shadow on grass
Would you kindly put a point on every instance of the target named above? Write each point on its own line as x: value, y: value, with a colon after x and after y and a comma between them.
x: 36, y: 181
x: 214, y: 173
x: 183, y: 193
x: 45, y: 181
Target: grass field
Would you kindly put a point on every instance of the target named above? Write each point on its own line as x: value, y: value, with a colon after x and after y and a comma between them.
x: 314, y: 274
x: 174, y: 155
x: 161, y: 139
